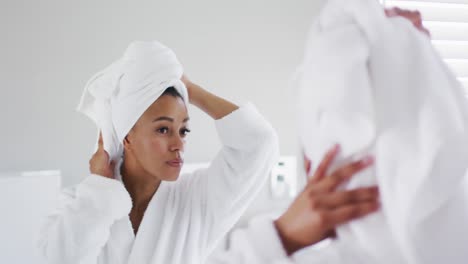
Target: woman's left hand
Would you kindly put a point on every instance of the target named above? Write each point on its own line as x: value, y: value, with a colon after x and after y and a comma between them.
x: 321, y: 206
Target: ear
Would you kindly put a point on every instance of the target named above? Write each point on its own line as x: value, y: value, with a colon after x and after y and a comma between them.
x: 126, y: 143
x: 307, y: 164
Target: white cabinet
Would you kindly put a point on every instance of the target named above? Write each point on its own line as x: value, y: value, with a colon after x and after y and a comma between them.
x: 25, y: 200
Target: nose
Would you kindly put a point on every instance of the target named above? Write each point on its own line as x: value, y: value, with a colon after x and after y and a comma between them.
x: 177, y: 143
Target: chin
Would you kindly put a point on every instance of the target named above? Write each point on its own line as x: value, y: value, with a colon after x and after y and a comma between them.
x: 171, y: 175
x: 173, y: 178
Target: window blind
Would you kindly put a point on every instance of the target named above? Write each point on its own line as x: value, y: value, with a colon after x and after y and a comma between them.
x: 447, y: 20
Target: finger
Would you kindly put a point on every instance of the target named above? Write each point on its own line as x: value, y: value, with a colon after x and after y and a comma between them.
x: 343, y: 174
x: 101, y: 157
x: 325, y: 163
x: 347, y: 213
x: 426, y: 31
x: 107, y: 157
x: 390, y: 12
x: 100, y: 141
x: 411, y: 15
x: 415, y: 18
x: 339, y: 199
x: 394, y: 11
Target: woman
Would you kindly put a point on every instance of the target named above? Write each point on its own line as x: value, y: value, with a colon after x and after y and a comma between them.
x: 143, y: 211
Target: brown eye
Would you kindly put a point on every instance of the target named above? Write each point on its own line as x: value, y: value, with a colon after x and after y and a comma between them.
x: 163, y: 130
x: 184, y: 131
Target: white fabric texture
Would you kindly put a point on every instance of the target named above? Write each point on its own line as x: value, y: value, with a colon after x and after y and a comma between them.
x: 117, y: 96
x: 376, y: 86
x: 184, y: 220
x: 259, y: 242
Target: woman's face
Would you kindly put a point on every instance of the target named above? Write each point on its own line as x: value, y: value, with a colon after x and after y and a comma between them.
x: 157, y: 140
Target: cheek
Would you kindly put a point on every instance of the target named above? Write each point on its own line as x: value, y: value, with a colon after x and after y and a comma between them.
x: 158, y: 146
x: 152, y: 148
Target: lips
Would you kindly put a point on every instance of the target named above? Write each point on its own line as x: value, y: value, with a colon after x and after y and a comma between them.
x: 176, y: 163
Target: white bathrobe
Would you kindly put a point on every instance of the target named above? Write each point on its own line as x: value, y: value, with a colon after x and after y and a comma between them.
x: 184, y: 219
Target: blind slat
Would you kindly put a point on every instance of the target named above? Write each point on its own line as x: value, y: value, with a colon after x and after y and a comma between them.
x: 464, y: 83
x: 451, y: 49
x: 447, y: 20
x: 459, y: 67
x: 448, y: 30
x: 463, y: 79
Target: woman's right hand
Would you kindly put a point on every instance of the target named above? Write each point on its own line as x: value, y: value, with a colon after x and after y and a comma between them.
x: 320, y: 207
x: 211, y: 104
x: 99, y: 163
x: 413, y: 16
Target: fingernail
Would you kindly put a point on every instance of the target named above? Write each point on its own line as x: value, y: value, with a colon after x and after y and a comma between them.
x: 336, y: 148
x: 390, y: 13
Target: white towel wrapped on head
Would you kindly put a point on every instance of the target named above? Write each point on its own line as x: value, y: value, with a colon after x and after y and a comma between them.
x: 117, y: 96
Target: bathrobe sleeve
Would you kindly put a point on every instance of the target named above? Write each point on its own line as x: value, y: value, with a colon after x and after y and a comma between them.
x: 79, y: 228
x: 238, y: 172
x: 260, y: 243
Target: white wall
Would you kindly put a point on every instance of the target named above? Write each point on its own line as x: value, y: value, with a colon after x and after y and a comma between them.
x: 244, y: 50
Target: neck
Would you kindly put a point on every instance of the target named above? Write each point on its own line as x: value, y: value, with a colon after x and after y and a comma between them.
x: 140, y: 184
